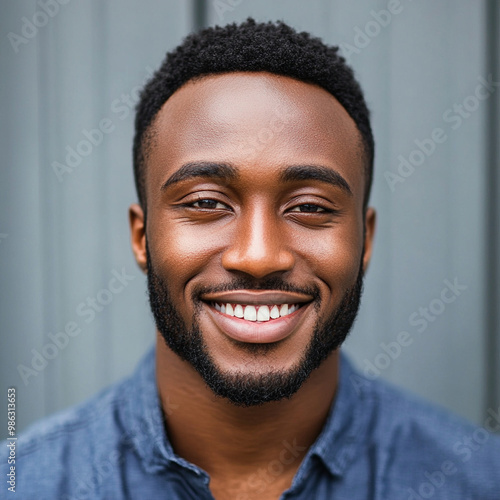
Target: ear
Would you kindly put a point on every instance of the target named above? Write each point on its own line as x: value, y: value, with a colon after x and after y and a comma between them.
x: 370, y: 223
x: 138, y: 235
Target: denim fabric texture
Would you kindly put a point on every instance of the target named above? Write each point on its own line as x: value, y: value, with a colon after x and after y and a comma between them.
x: 378, y: 443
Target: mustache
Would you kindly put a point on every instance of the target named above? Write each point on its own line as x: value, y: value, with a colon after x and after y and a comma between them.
x: 247, y: 283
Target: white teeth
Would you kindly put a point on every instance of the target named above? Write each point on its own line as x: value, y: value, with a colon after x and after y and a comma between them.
x: 284, y: 310
x: 275, y: 312
x: 253, y: 313
x: 263, y: 313
x: 250, y: 313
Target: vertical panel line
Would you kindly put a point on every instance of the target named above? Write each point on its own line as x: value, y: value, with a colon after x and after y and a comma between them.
x: 199, y: 14
x: 492, y: 220
x: 98, y: 92
x: 50, y: 210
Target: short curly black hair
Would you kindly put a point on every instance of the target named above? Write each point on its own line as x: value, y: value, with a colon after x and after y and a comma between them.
x: 250, y: 46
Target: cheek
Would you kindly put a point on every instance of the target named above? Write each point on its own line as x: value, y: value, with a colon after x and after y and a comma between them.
x: 333, y: 255
x: 183, y: 250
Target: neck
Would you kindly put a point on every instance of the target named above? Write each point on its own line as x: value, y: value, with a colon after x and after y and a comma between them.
x: 226, y: 440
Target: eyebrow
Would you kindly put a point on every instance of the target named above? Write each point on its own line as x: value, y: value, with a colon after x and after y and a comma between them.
x: 225, y: 171
x: 317, y: 173
x: 201, y: 169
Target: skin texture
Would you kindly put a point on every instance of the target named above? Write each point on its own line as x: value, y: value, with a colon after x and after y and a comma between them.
x: 254, y: 230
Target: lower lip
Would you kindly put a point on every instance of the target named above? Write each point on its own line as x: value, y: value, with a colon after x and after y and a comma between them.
x: 255, y: 332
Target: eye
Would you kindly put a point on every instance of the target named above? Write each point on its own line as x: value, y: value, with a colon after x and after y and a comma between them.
x: 308, y: 208
x: 209, y: 204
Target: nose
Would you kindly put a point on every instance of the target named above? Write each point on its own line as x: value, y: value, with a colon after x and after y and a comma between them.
x: 257, y: 247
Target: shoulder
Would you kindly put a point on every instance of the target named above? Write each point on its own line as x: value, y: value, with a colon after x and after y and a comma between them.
x: 422, y: 442
x: 69, y: 443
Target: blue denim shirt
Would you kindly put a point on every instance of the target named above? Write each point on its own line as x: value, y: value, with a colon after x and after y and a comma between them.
x: 377, y: 443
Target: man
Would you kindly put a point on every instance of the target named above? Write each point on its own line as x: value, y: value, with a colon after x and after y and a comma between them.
x: 253, y: 160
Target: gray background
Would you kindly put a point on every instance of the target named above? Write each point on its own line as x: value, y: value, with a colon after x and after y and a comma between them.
x: 61, y: 239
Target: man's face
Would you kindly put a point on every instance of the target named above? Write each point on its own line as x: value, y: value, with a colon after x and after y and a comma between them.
x: 255, y: 191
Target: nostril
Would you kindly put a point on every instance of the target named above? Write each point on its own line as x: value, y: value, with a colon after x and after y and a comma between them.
x: 258, y: 264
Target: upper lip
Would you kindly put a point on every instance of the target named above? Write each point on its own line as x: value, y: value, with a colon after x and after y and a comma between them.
x: 257, y: 297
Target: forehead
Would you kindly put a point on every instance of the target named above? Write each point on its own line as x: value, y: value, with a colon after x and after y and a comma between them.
x: 255, y: 121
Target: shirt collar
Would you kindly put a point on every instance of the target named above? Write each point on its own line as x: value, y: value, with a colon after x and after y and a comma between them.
x: 336, y: 446
x: 347, y: 421
x: 145, y: 422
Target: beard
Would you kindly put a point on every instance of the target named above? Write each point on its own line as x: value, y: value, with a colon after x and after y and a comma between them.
x: 242, y: 389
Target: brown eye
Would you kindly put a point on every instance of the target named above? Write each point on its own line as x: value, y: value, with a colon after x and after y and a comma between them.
x: 308, y: 208
x: 209, y: 204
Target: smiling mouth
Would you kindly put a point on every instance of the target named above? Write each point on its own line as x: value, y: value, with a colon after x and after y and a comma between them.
x: 257, y: 316
x: 257, y: 313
